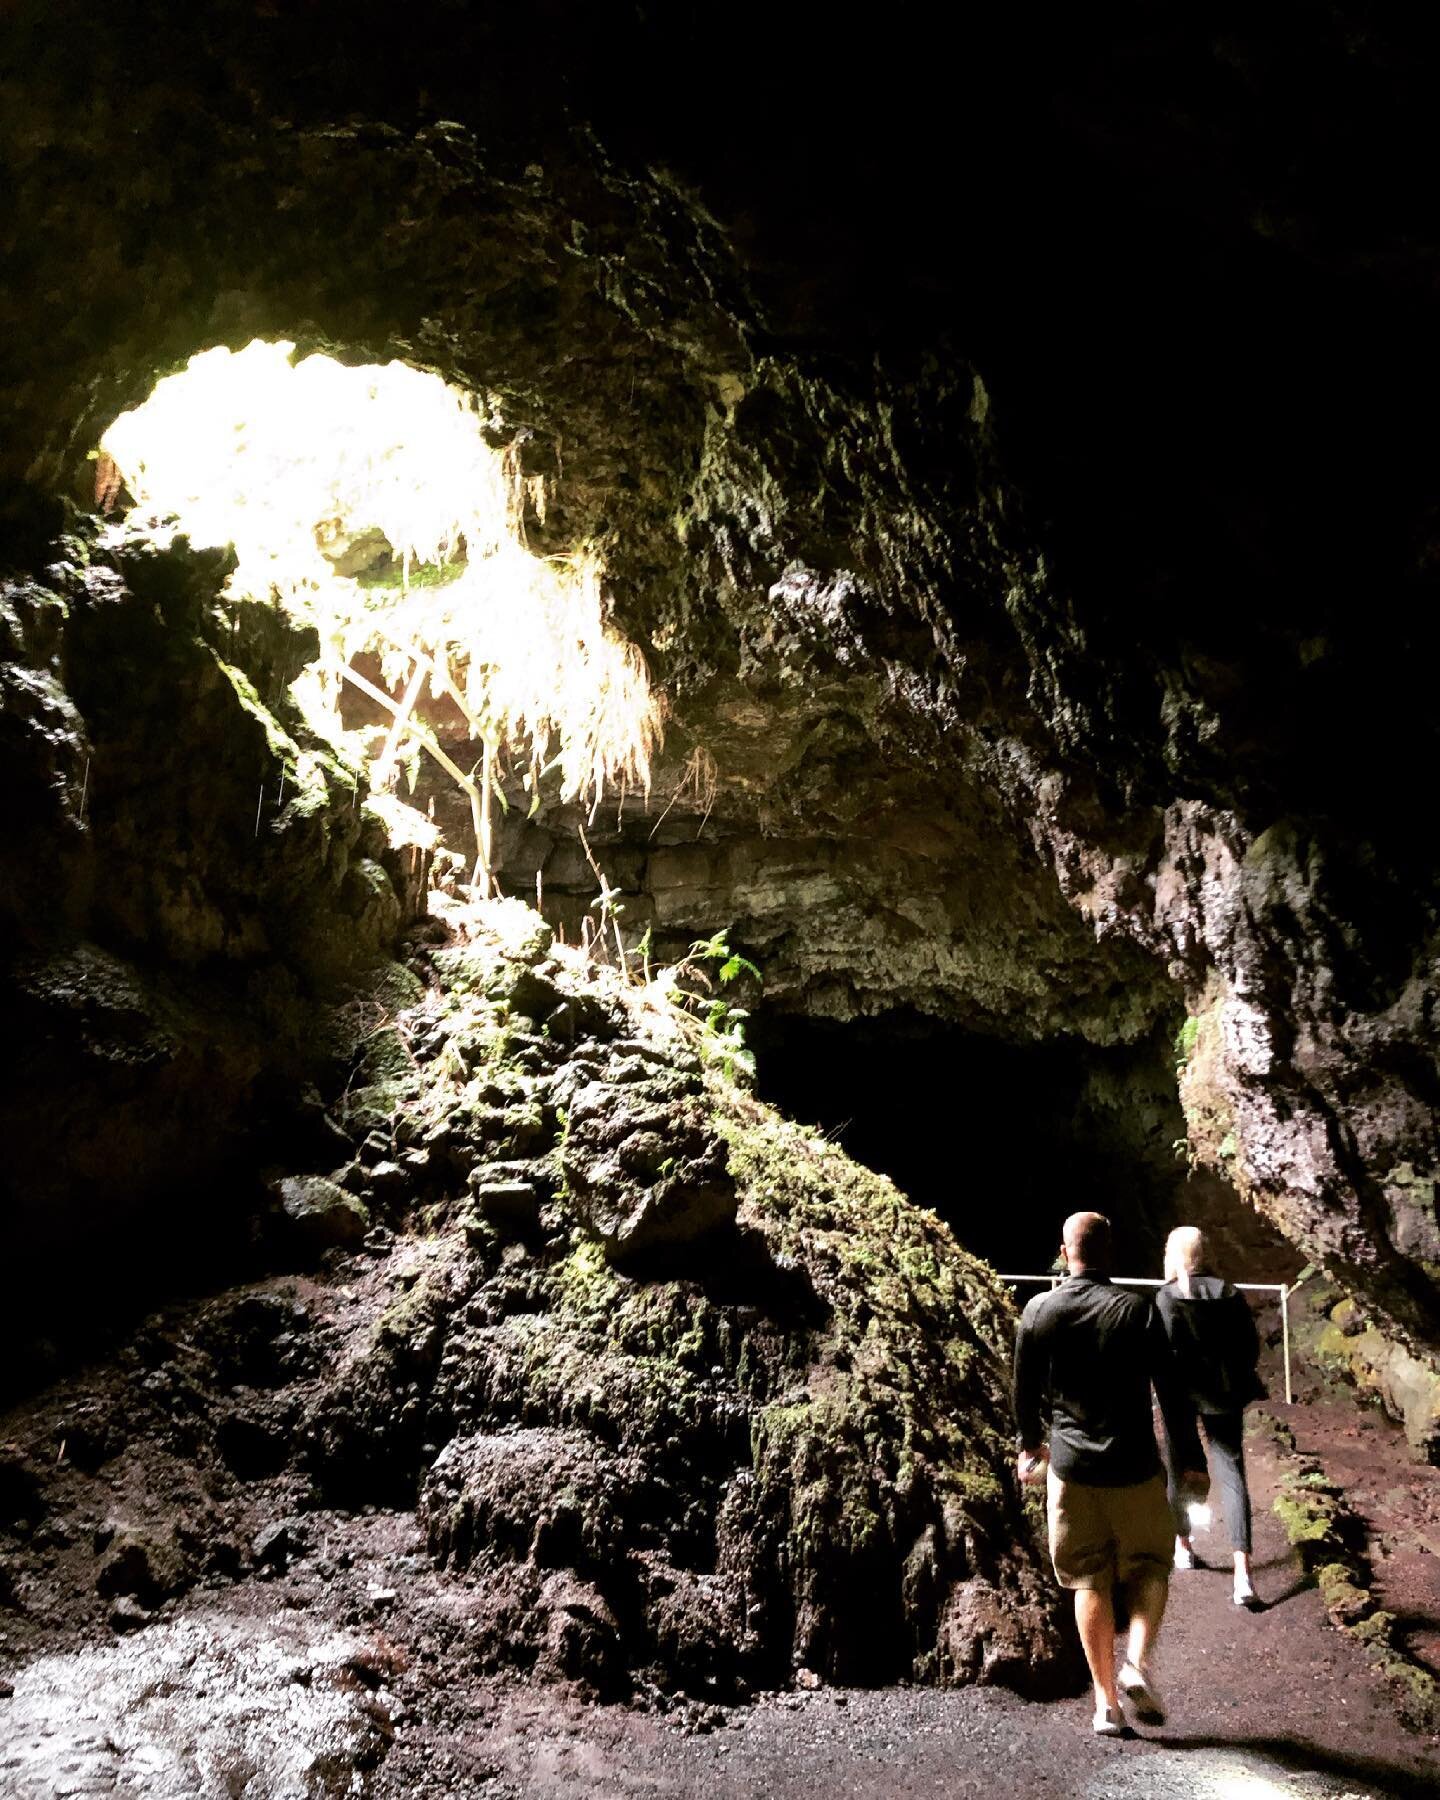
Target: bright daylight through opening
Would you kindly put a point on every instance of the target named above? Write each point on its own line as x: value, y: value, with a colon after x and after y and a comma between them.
x: 368, y: 502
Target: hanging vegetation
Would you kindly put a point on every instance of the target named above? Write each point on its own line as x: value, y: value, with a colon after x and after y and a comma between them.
x: 318, y: 474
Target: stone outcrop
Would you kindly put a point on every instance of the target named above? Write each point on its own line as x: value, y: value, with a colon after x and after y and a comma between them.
x: 724, y: 1404
x: 192, y: 888
x: 771, y: 1435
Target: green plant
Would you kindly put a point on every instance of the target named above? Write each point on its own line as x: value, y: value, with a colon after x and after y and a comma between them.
x: 721, y: 1025
x: 1185, y: 1039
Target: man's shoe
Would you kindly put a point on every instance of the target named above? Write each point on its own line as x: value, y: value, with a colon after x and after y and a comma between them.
x: 1109, y: 1721
x: 1149, y: 1707
x: 1245, y: 1594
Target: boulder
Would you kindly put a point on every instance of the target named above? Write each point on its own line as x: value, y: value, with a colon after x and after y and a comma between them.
x: 320, y: 1216
x: 141, y: 1564
x: 645, y: 1167
x: 511, y: 1207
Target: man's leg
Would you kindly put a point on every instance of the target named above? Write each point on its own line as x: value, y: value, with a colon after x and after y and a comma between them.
x: 1148, y: 1593
x: 1142, y: 1527
x: 1083, y: 1554
x: 1095, y: 1615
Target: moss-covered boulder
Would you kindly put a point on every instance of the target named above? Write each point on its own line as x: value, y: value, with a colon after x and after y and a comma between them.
x: 780, y: 1439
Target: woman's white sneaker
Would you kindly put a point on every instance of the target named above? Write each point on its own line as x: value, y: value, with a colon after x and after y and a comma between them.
x: 1109, y: 1721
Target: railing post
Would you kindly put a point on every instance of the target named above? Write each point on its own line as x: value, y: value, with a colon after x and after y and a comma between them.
x: 1285, y: 1337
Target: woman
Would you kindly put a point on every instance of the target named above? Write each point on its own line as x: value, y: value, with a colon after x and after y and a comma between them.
x: 1216, y: 1347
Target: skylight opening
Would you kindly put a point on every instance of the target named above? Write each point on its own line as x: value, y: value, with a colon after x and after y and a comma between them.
x: 369, y: 502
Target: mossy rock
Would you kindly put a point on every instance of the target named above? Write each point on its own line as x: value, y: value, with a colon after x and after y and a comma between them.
x: 805, y: 1402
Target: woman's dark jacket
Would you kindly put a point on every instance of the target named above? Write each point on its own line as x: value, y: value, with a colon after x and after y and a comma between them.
x: 1214, y: 1342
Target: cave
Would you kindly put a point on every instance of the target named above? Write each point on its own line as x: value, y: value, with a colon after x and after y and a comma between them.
x: 665, y: 685
x: 991, y: 1136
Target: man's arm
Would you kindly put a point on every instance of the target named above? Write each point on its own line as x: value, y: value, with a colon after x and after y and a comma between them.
x: 1032, y: 1398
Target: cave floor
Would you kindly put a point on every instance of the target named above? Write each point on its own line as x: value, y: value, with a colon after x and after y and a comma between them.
x: 1267, y: 1704
x: 339, y: 1664
x: 1274, y: 1703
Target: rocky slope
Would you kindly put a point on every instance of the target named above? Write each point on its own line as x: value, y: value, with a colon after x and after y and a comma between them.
x: 687, y: 1400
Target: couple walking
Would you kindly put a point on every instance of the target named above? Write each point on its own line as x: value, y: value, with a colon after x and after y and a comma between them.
x: 1086, y: 1358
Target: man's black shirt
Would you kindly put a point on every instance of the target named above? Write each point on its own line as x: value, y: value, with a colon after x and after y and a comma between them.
x: 1086, y: 1355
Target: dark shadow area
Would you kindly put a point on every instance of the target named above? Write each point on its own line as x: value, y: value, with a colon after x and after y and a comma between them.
x: 1001, y: 1140
x: 1416, y: 1631
x: 62, y: 1319
x: 207, y: 1228
x: 738, y: 1268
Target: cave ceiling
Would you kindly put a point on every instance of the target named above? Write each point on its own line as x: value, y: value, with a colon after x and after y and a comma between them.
x: 1012, y: 454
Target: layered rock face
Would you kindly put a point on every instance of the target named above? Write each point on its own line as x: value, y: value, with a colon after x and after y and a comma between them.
x: 190, y: 891
x: 1059, y: 673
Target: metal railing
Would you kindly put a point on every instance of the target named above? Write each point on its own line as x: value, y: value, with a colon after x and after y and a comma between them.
x: 1281, y: 1288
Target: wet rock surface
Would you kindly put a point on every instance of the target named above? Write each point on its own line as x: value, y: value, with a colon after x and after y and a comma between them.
x: 208, y: 1705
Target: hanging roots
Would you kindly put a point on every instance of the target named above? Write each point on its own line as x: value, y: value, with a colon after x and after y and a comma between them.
x: 312, y: 468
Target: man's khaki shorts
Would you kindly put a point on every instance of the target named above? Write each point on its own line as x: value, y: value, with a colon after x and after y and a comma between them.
x: 1101, y: 1535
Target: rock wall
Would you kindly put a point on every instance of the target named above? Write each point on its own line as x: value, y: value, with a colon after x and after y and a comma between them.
x: 1059, y: 634
x: 192, y: 889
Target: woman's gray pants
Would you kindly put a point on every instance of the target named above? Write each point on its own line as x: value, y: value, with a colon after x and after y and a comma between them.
x: 1225, y: 1439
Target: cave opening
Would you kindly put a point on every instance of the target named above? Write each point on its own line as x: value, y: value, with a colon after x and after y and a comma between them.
x: 1003, y: 1139
x: 390, y: 513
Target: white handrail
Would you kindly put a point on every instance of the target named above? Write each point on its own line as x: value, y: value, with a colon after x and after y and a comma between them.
x: 1281, y: 1288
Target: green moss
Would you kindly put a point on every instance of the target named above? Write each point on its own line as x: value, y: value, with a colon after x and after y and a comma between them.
x: 925, y: 1310
x: 1344, y: 1598
x: 1416, y: 1689
x: 375, y: 1107
x: 585, y: 1282
x: 279, y: 741
x: 1374, y: 1628
x: 1302, y: 1524
x: 387, y: 586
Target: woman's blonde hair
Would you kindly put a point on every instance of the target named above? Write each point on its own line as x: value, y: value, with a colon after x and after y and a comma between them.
x: 1184, y: 1255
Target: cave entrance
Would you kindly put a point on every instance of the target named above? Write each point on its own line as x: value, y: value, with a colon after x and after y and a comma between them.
x: 388, y: 511
x: 1002, y: 1140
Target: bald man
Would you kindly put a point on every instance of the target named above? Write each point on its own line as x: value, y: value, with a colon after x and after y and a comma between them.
x: 1085, y: 1358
